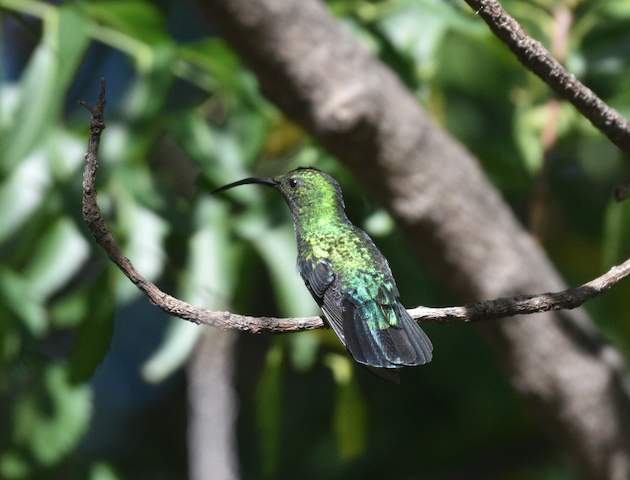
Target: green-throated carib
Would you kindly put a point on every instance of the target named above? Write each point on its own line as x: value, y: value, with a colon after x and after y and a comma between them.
x: 348, y: 276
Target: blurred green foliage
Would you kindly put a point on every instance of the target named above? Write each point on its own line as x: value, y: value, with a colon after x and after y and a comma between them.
x: 187, y: 118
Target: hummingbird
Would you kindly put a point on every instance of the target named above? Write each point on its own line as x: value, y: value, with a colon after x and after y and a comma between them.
x: 348, y: 276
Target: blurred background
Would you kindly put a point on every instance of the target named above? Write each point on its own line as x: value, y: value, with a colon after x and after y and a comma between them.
x: 96, y: 383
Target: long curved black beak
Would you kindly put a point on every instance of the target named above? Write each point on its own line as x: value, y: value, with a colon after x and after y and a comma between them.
x: 265, y: 181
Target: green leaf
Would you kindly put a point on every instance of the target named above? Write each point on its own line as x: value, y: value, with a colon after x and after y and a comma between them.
x: 215, y: 151
x: 417, y: 27
x: 70, y: 310
x: 173, y: 353
x: 303, y: 350
x: 51, y: 421
x: 138, y: 19
x: 269, y: 410
x: 59, y: 255
x: 17, y: 294
x: 214, y: 65
x: 145, y: 99
x: 192, y: 131
x: 102, y: 471
x: 14, y: 466
x: 145, y: 232
x: 616, y: 233
x: 529, y: 124
x: 350, y: 416
x: 22, y: 193
x: 10, y: 341
x: 66, y: 154
x: 96, y: 331
x: 44, y: 83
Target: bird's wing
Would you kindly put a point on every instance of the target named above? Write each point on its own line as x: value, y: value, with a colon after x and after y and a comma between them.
x: 320, y: 280
x: 380, y: 333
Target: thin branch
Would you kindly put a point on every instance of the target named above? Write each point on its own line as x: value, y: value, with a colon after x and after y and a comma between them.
x: 94, y: 220
x: 488, y: 310
x: 524, y: 304
x: 535, y: 57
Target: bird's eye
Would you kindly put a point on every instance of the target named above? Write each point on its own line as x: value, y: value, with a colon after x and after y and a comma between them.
x: 293, y: 183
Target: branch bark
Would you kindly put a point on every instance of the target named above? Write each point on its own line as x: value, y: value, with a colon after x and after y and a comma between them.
x: 535, y: 57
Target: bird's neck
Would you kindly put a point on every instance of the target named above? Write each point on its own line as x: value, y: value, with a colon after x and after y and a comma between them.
x: 317, y: 218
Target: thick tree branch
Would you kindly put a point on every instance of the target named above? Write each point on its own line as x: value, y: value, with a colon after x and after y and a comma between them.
x: 533, y: 55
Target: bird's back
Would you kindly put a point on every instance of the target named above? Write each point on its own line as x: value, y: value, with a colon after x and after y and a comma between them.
x: 361, y: 300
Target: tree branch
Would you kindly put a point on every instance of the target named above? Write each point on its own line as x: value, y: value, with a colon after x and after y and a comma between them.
x: 535, y: 57
x: 488, y: 310
x: 524, y: 304
x: 171, y: 305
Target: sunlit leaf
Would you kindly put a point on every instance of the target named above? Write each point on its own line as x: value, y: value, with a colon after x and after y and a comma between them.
x: 212, y: 150
x: 178, y: 344
x: 47, y: 77
x: 417, y: 28
x: 60, y: 253
x: 146, y: 232
x: 22, y: 193
x: 529, y: 125
x: 215, y: 65
x: 147, y: 95
x: 66, y: 154
x: 303, y: 350
x: 102, y: 471
x: 17, y: 294
x: 193, y: 132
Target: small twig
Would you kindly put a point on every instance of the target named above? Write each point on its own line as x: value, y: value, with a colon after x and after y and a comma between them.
x: 489, y: 310
x: 535, y: 57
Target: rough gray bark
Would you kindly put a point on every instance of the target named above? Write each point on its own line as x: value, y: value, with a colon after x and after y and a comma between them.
x: 319, y: 75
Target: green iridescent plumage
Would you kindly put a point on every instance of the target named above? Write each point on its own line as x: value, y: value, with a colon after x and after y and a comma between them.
x: 347, y: 275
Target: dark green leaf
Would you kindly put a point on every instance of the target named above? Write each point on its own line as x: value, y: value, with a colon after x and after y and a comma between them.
x: 95, y: 333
